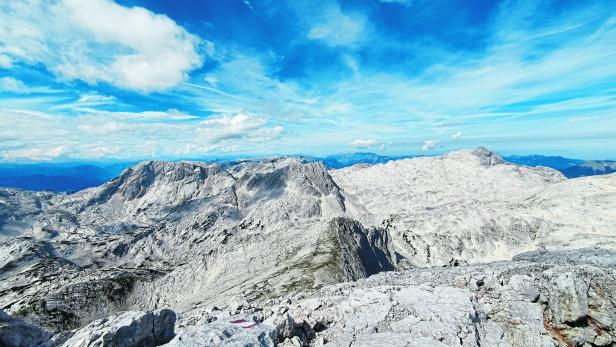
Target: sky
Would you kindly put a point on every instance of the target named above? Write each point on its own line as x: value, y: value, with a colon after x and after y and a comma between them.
x: 158, y: 79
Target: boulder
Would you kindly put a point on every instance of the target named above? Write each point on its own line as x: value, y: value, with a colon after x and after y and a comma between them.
x: 128, y: 329
x: 226, y: 332
x: 15, y: 332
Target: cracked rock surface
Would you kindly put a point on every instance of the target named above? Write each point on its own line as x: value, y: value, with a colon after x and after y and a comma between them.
x: 538, y: 299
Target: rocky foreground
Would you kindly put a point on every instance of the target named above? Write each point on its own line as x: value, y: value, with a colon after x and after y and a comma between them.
x: 412, y: 252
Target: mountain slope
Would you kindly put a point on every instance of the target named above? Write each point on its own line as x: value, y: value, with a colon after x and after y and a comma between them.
x: 590, y: 168
x: 259, y: 229
x: 472, y: 206
x: 58, y: 177
x: 339, y: 161
x: 193, y: 236
x: 555, y: 162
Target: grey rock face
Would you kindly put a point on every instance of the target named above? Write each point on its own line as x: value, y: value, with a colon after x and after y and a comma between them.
x: 17, y: 333
x: 226, y: 333
x: 514, y: 303
x: 160, y: 229
x: 359, y: 252
x: 471, y: 206
x: 127, y: 330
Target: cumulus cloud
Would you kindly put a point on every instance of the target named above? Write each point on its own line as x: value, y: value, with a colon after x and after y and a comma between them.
x: 10, y: 84
x: 456, y: 136
x: 99, y: 41
x: 359, y: 143
x: 429, y: 145
x: 238, y: 126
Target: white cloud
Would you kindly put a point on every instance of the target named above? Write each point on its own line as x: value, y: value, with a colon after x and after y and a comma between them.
x: 456, y: 136
x: 338, y: 108
x: 335, y: 28
x: 211, y: 80
x: 429, y: 145
x: 91, y: 133
x: 353, y: 65
x: 99, y: 41
x: 145, y: 116
x: 248, y: 4
x: 86, y: 101
x: 359, y: 143
x: 33, y: 154
x: 102, y: 128
x: 96, y: 98
x: 401, y: 2
x: 9, y: 84
x: 5, y: 62
x: 242, y: 83
x: 238, y: 126
x: 385, y: 146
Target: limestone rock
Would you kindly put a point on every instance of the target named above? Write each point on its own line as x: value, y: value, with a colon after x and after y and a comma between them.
x: 226, y: 333
x: 127, y: 330
x: 15, y: 332
x: 476, y: 305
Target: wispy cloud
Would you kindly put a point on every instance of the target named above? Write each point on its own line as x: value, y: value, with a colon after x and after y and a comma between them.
x: 5, y: 62
x: 359, y: 143
x: 12, y: 85
x: 335, y: 28
x: 96, y: 134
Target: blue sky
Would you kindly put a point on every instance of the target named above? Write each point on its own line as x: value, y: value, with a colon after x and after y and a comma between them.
x: 101, y: 80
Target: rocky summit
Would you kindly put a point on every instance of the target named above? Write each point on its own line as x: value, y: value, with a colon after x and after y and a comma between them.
x: 465, y: 249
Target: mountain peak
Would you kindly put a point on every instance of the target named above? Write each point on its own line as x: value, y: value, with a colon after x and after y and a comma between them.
x: 487, y: 157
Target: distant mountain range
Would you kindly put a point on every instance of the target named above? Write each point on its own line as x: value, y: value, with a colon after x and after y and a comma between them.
x: 58, y: 177
x: 571, y: 168
x: 555, y: 162
x: 66, y: 177
x: 339, y: 161
x: 590, y: 168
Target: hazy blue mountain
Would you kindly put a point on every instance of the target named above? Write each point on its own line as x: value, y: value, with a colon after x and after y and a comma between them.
x: 555, y: 162
x: 114, y: 169
x: 339, y: 161
x: 590, y: 168
x: 57, y: 177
